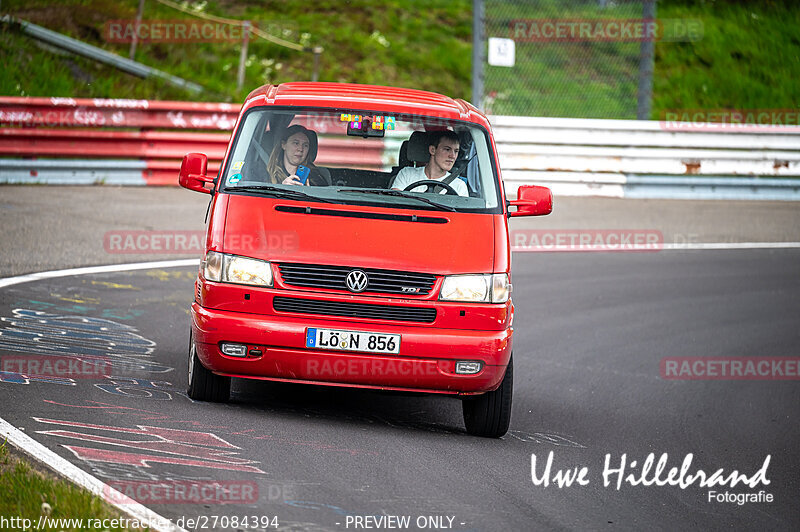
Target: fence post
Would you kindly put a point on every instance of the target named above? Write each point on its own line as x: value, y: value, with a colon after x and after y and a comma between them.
x: 136, y: 33
x: 315, y: 73
x: 243, y: 56
x: 643, y: 105
x: 477, y: 53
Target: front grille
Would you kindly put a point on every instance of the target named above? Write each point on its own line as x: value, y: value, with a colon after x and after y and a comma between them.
x: 353, y: 310
x: 333, y: 278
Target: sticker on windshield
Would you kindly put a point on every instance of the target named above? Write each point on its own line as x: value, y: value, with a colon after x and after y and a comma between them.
x: 235, y: 178
x: 377, y: 121
x: 238, y: 165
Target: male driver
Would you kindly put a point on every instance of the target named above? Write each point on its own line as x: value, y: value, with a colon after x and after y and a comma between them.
x: 443, y: 147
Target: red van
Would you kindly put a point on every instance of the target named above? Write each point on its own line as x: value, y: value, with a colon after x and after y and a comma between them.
x: 358, y: 236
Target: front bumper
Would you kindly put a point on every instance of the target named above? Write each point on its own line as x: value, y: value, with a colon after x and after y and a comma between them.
x: 426, y: 362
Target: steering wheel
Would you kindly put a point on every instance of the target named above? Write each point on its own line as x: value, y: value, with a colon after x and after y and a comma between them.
x: 432, y: 185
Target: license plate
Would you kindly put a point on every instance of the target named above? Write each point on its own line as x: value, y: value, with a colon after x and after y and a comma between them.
x: 352, y: 341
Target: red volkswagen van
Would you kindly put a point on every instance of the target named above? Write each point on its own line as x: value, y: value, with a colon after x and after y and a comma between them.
x: 358, y: 236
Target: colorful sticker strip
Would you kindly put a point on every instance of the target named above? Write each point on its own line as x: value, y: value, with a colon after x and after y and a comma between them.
x: 378, y: 121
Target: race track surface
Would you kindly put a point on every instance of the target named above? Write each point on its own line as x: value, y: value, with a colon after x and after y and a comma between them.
x: 592, y: 331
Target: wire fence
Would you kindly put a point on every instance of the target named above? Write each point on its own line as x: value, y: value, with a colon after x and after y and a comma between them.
x: 568, y: 58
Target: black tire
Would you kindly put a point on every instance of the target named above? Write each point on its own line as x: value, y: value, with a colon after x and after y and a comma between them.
x: 489, y: 415
x: 203, y: 384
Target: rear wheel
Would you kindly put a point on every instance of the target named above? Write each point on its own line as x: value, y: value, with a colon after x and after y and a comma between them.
x: 489, y: 414
x: 203, y: 384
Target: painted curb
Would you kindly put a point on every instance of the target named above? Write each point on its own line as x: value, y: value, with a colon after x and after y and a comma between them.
x: 97, y: 487
x: 39, y: 452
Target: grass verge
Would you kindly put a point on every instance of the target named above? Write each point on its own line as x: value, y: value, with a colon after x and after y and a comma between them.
x: 28, y: 491
x: 748, y: 57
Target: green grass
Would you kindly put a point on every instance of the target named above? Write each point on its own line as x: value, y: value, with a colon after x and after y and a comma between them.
x: 25, y: 490
x: 749, y: 57
x: 402, y: 43
x: 587, y: 79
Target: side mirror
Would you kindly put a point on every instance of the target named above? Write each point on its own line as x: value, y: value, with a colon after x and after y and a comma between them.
x: 193, y: 173
x: 532, y: 201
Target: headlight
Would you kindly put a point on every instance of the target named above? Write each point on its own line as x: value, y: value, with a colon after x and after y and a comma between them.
x: 212, y: 266
x: 488, y: 288
x: 234, y: 269
x: 247, y: 271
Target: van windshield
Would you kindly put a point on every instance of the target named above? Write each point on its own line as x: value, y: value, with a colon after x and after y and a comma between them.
x: 360, y: 157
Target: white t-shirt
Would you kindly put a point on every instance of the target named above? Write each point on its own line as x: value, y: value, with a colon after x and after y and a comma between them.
x: 410, y: 174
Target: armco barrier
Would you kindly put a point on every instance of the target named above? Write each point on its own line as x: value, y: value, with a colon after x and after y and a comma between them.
x: 99, y: 112
x: 649, y: 159
x: 85, y: 141
x: 618, y: 158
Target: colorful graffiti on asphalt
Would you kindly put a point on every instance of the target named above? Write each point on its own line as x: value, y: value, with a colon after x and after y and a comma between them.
x: 138, y: 388
x: 21, y: 378
x: 176, y: 447
x: 79, y: 336
x: 141, y: 414
x: 79, y: 308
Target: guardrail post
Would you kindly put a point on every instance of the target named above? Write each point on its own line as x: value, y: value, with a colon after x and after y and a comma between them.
x: 243, y: 55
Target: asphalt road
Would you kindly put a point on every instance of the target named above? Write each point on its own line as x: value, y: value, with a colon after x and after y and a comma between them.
x: 62, y: 227
x: 591, y: 330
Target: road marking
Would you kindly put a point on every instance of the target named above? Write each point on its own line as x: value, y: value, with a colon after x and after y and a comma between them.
x: 10, y: 281
x: 733, y: 245
x: 689, y: 246
x: 92, y: 484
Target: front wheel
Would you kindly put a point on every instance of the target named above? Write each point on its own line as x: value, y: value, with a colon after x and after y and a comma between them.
x: 489, y: 414
x: 203, y: 384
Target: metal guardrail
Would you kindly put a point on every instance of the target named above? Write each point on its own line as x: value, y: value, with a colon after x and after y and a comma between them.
x: 90, y: 139
x: 73, y: 172
x: 98, y: 54
x: 650, y: 159
x: 617, y: 158
x: 100, y: 112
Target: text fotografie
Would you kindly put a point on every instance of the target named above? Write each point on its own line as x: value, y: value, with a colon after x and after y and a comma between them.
x: 648, y: 474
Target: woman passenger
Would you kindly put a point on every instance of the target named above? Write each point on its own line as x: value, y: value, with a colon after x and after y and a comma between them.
x: 292, y: 151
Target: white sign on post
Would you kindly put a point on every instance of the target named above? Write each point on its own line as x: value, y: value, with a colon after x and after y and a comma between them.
x: 501, y: 52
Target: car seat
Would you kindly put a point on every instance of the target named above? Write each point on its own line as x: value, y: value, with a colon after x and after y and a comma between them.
x: 417, y: 152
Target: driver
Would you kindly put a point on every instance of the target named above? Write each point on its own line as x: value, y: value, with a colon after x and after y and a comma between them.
x: 443, y: 147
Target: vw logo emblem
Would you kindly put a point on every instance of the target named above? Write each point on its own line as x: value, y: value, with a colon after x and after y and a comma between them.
x: 356, y: 281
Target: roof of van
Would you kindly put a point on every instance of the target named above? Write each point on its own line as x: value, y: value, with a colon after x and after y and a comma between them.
x: 355, y: 97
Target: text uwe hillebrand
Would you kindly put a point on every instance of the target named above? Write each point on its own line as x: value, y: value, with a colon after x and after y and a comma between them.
x: 650, y: 472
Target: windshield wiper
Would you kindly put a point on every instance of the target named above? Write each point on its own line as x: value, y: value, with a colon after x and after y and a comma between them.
x: 400, y: 194
x: 276, y: 191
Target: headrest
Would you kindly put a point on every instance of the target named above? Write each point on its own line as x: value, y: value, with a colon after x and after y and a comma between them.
x: 402, y: 158
x: 418, y: 147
